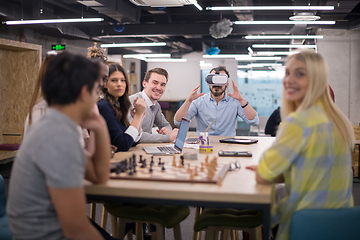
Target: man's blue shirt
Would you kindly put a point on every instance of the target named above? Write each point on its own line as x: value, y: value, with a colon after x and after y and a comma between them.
x: 205, y: 110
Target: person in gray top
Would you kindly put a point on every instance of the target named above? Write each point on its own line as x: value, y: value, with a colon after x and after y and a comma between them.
x: 46, y: 194
x: 154, y: 84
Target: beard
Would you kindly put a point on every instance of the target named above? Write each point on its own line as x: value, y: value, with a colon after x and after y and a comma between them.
x: 217, y: 93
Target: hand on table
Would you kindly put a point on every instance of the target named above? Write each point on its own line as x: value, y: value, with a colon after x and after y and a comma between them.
x: 252, y: 167
x: 163, y: 131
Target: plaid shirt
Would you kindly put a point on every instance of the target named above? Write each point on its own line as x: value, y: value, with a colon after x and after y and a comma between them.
x: 316, y: 166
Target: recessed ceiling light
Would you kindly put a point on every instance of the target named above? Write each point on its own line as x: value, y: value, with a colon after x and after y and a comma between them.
x: 282, y: 46
x: 166, y: 60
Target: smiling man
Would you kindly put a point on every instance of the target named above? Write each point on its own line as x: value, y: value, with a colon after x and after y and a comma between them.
x: 219, y: 106
x: 154, y: 84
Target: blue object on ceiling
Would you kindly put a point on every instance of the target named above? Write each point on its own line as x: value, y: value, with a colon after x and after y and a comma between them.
x: 160, y: 8
x: 212, y: 50
x: 119, y: 28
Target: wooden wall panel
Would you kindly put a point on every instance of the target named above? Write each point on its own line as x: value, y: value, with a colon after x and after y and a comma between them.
x: 19, y: 67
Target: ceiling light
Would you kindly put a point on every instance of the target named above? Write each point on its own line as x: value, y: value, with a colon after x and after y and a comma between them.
x: 304, y: 16
x: 196, y: 4
x: 250, y: 51
x: 161, y: 55
x: 265, y: 64
x: 44, y: 21
x: 260, y: 53
x: 166, y: 60
x: 90, y: 3
x: 154, y: 44
x: 257, y: 58
x: 282, y: 46
x: 252, y: 8
x: 285, y: 37
x: 130, y: 36
x: 285, y: 22
x: 240, y: 57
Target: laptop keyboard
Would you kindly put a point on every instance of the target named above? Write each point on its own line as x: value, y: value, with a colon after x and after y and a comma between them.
x: 167, y: 149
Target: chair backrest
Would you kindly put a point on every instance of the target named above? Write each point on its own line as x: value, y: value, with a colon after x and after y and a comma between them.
x: 329, y: 224
x: 5, y: 233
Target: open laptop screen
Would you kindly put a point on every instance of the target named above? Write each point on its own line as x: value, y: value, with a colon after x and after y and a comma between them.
x: 184, y: 125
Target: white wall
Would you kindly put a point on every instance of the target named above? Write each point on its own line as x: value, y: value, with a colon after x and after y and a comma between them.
x: 341, y: 50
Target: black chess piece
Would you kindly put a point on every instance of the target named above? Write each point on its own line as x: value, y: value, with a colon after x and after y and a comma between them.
x: 134, y: 163
x: 163, y: 167
x: 159, y: 161
x: 140, y: 161
x: 143, y: 165
x: 152, y: 160
x: 131, y: 170
x: 118, y: 169
x: 182, y: 160
x: 151, y: 169
x: 134, y: 169
x: 126, y: 164
x: 134, y: 157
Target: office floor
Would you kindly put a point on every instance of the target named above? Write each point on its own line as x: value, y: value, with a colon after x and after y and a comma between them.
x: 186, y: 225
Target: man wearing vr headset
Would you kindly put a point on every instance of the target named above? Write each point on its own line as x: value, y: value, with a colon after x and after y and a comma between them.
x: 217, y: 105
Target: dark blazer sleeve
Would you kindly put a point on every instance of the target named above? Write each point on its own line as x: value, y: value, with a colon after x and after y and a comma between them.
x: 116, y: 128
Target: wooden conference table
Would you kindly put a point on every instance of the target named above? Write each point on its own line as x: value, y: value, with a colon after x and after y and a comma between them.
x: 238, y: 189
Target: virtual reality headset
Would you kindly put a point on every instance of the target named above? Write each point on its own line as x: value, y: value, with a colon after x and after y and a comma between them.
x: 217, y: 79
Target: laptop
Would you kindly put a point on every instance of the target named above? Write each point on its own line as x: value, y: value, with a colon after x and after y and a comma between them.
x: 179, y: 142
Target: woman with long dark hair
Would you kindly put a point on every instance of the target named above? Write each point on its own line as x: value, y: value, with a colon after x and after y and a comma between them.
x: 114, y: 107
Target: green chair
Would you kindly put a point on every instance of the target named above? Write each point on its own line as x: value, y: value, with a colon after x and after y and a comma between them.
x: 329, y: 224
x: 5, y: 233
x: 214, y: 220
x: 160, y: 215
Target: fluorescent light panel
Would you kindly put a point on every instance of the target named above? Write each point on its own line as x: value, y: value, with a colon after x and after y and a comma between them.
x: 284, y: 22
x: 285, y: 37
x: 196, y: 5
x: 166, y: 60
x: 44, y: 21
x: 282, y: 46
x: 154, y: 44
x: 162, y: 55
x: 263, y: 53
x: 257, y: 58
x: 254, y: 8
x: 240, y: 57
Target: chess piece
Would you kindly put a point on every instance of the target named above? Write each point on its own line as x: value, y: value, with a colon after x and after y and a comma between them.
x: 118, y: 169
x: 152, y: 160
x: 191, y: 174
x: 163, y: 167
x: 174, y: 163
x: 206, y: 161
x: 134, y: 157
x: 219, y: 182
x: 196, y: 173
x: 143, y: 165
x: 159, y: 161
x: 202, y: 167
x: 182, y: 160
x: 151, y: 169
x: 140, y: 161
x: 134, y: 169
x: 188, y: 170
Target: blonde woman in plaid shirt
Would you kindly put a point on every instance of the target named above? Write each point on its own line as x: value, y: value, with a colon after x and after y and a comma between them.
x: 312, y: 151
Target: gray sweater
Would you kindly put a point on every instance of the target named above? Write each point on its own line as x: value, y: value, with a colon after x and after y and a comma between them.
x: 152, y: 117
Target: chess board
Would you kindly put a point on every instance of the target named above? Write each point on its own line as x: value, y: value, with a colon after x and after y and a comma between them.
x: 174, y: 174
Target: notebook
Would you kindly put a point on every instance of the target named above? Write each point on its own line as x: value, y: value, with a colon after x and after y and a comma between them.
x: 179, y: 142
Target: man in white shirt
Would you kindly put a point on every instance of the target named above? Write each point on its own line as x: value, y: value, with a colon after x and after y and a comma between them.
x: 154, y: 84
